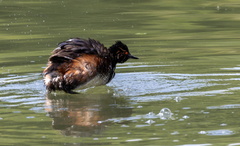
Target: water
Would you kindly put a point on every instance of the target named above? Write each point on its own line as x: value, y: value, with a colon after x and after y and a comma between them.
x: 184, y: 90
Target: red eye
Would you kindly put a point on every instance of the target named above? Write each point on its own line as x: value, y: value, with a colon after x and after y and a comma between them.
x: 126, y: 53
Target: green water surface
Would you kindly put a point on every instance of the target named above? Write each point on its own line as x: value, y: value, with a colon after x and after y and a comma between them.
x: 184, y: 89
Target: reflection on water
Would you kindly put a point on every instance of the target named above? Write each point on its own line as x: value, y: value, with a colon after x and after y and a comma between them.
x: 82, y: 116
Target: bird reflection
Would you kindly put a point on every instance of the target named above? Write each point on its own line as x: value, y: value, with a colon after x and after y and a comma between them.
x: 82, y: 114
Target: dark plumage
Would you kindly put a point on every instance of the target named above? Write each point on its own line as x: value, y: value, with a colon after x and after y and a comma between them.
x: 78, y: 62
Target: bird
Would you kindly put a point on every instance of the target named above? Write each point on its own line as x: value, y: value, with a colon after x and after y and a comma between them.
x: 81, y: 63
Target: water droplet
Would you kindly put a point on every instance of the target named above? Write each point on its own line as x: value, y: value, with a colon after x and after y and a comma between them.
x: 181, y: 120
x: 130, y: 140
x: 159, y: 124
x: 205, y: 112
x: 141, y: 33
x: 165, y: 114
x: 124, y: 126
x: 178, y: 99
x: 154, y: 138
x: 185, y: 117
x: 202, y: 132
x: 186, y: 108
x: 175, y: 133
x: 150, y: 122
x: 30, y: 117
x: 150, y: 114
x: 100, y: 122
x: 139, y: 126
x: 223, y: 124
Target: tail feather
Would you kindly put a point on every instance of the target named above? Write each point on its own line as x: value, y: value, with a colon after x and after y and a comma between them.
x: 55, y: 80
x: 52, y: 81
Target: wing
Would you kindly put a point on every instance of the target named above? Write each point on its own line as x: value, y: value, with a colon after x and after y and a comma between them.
x: 70, y: 74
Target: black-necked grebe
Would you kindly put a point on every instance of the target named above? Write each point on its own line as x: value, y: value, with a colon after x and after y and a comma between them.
x: 78, y: 62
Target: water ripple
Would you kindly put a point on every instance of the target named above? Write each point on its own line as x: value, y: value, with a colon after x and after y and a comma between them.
x: 21, y: 90
x: 147, y: 86
x: 140, y: 86
x: 221, y: 132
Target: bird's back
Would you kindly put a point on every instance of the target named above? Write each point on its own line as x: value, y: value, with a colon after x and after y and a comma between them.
x: 75, y: 47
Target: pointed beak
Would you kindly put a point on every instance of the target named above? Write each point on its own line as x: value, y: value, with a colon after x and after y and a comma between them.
x: 133, y: 57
